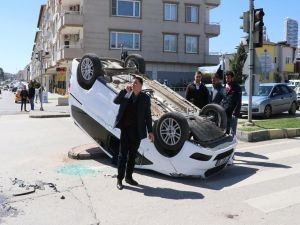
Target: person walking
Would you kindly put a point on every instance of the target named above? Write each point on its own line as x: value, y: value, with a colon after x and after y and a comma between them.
x: 133, y: 118
x: 197, y: 92
x: 36, y: 94
x: 218, y: 92
x: 24, y: 96
x: 232, y: 103
x: 31, y: 93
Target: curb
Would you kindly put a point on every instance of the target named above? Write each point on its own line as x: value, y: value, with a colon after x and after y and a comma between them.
x: 83, y: 152
x: 264, y: 135
x: 48, y: 114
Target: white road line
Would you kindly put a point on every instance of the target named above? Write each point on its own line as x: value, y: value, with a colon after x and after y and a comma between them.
x: 277, y: 200
x: 271, y: 156
x: 267, y: 175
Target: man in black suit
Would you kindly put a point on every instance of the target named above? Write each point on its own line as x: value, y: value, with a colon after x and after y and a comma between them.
x: 133, y: 118
x: 197, y: 92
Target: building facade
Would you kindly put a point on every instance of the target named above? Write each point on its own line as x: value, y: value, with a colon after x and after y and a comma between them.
x: 172, y: 36
x: 291, y: 32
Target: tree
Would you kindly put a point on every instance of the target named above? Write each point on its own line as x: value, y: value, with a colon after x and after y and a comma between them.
x: 238, y: 63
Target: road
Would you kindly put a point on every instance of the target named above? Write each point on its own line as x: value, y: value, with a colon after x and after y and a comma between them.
x: 262, y: 187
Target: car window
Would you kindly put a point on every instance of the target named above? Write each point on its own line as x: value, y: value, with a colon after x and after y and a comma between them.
x: 276, y: 91
x: 264, y: 90
x: 285, y: 89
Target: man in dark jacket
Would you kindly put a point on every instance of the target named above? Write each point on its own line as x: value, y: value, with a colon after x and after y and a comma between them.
x: 197, y: 92
x: 218, y: 92
x: 31, y: 93
x: 232, y: 103
x: 134, y: 118
x: 24, y: 96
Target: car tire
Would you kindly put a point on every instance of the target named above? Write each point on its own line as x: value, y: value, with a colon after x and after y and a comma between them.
x: 135, y: 61
x: 216, y: 114
x: 267, y: 112
x: 293, y: 109
x: 89, y: 68
x: 170, y: 131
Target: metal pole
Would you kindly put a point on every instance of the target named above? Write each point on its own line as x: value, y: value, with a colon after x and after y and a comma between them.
x: 251, y: 62
x: 41, y: 88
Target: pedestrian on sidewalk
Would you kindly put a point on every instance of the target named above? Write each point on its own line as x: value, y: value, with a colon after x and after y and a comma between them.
x: 36, y: 94
x: 232, y: 103
x: 134, y: 118
x: 31, y: 93
x: 24, y: 96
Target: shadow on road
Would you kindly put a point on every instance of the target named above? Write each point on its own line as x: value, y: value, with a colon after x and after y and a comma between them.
x: 167, y: 193
x: 264, y: 164
x: 250, y: 155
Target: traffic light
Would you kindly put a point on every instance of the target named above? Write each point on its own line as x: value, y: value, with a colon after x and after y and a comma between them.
x: 246, y: 23
x: 258, y: 27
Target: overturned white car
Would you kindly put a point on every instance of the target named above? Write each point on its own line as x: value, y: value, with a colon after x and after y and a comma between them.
x: 188, y: 141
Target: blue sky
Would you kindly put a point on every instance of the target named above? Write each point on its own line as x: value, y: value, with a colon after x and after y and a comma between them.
x: 18, y: 23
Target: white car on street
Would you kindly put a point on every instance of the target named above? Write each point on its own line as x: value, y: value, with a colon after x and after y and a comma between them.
x: 188, y: 141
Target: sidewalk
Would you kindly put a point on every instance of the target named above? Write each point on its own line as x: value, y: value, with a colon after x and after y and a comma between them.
x: 51, y: 108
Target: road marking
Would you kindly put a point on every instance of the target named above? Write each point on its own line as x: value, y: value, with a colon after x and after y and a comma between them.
x: 277, y: 200
x: 271, y: 156
x: 267, y: 175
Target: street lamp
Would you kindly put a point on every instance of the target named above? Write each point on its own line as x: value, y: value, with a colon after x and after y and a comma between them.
x: 39, y: 57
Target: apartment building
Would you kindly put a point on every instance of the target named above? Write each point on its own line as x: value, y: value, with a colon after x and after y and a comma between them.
x: 291, y: 32
x: 172, y: 36
x: 276, y: 62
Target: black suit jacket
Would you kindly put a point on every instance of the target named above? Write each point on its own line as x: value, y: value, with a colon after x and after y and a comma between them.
x: 233, y: 100
x: 144, y: 120
x: 199, y: 97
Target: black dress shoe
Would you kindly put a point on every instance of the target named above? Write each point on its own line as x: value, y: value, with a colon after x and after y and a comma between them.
x: 131, y: 181
x: 120, y: 185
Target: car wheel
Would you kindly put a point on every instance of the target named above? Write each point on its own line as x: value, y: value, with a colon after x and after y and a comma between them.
x: 267, y: 112
x: 135, y: 61
x: 216, y: 114
x: 88, y: 70
x: 171, y: 131
x: 293, y: 109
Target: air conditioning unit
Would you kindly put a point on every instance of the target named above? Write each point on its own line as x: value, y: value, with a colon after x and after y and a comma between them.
x: 67, y: 37
x: 76, y: 37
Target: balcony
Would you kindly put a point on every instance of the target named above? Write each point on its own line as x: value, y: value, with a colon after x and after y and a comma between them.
x: 212, y: 30
x: 70, y: 19
x: 212, y: 60
x: 68, y: 52
x: 212, y: 3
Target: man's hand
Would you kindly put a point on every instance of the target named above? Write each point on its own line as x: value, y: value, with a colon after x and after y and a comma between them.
x: 151, y: 136
x: 129, y: 88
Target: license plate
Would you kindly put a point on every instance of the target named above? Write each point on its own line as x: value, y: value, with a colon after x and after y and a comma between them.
x: 222, y: 161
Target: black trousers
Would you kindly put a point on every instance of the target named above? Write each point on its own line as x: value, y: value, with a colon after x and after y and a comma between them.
x: 129, y: 145
x: 23, y: 102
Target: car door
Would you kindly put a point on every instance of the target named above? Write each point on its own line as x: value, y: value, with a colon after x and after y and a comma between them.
x: 276, y: 99
x: 286, y: 98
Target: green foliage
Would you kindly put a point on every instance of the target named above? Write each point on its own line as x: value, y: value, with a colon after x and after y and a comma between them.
x: 238, y: 63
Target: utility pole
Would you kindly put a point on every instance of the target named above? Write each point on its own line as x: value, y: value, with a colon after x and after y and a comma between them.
x: 251, y: 55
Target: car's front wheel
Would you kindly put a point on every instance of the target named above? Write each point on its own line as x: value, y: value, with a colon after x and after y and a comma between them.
x: 216, y: 114
x: 171, y: 131
x: 267, y: 112
x: 88, y: 70
x: 293, y: 109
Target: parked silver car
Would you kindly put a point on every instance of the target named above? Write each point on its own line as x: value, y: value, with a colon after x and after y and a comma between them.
x: 271, y: 98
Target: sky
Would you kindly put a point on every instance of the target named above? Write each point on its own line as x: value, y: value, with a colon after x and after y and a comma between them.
x: 18, y: 25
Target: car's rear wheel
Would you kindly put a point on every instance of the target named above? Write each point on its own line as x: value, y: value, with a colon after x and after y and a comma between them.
x: 88, y: 70
x: 216, y: 114
x: 135, y: 61
x: 171, y: 131
x: 293, y: 109
x: 268, y: 112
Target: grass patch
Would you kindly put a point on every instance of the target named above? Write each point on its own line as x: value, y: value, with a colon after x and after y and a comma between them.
x: 272, y: 124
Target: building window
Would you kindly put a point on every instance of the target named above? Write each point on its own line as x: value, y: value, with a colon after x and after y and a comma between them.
x: 191, y: 14
x: 191, y: 44
x: 170, y: 11
x: 170, y: 43
x: 127, y: 40
x: 126, y: 8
